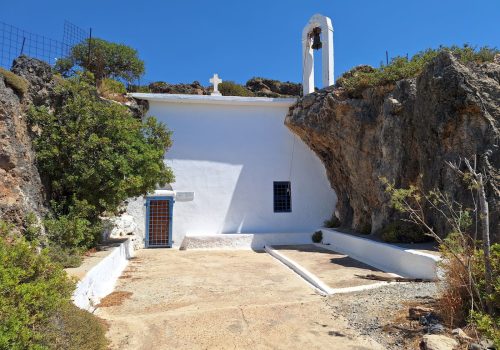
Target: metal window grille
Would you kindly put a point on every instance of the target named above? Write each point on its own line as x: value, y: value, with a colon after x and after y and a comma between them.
x: 159, y: 222
x: 282, y: 197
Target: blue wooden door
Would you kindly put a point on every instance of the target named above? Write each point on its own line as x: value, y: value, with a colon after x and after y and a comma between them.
x: 159, y: 221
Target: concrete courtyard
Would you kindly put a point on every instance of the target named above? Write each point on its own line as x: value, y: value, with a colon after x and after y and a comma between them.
x: 170, y: 299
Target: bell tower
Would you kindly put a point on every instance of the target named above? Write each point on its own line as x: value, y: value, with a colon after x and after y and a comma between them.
x: 317, y: 34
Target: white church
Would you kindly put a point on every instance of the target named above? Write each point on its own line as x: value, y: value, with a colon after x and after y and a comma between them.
x: 240, y: 173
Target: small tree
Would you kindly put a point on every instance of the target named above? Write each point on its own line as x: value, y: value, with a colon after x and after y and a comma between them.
x: 93, y: 155
x: 104, y: 59
x: 476, y: 182
x: 470, y: 291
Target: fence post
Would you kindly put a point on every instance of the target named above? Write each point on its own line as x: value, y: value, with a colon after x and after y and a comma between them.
x: 22, y: 46
x: 90, y: 40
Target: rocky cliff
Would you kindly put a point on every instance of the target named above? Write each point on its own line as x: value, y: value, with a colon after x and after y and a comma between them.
x: 30, y: 83
x: 21, y: 190
x: 256, y: 86
x: 405, y: 132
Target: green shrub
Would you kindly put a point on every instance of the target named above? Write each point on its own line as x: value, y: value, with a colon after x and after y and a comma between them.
x: 67, y: 257
x: 403, y: 232
x: 57, y: 232
x: 479, y: 276
x: 111, y: 86
x: 32, y: 289
x: 35, y: 306
x: 94, y: 155
x: 230, y: 88
x: 333, y: 222
x: 17, y: 83
x: 317, y: 237
x: 488, y: 325
x: 359, y: 78
x: 33, y: 228
x: 74, y: 226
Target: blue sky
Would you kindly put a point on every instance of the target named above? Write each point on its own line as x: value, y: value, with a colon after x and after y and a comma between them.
x: 187, y: 40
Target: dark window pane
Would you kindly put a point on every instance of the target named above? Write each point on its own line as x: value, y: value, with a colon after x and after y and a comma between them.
x: 282, y: 197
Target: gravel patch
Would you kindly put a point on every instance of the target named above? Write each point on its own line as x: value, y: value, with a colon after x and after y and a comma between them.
x: 373, y: 312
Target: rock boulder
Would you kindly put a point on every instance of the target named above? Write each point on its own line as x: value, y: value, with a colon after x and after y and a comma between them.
x: 438, y: 342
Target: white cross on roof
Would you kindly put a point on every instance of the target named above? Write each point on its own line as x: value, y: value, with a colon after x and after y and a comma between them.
x: 216, y: 81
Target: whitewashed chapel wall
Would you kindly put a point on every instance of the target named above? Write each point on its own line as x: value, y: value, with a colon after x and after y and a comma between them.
x: 229, y: 155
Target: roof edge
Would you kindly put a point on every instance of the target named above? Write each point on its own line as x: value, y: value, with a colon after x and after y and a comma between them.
x: 215, y: 100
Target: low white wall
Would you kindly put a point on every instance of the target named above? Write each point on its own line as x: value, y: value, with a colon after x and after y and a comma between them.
x: 404, y: 262
x: 309, y: 277
x: 260, y: 240
x: 256, y: 241
x: 314, y: 280
x: 101, y: 279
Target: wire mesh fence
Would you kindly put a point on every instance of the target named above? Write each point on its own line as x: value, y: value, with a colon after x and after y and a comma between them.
x: 15, y: 41
x: 72, y: 35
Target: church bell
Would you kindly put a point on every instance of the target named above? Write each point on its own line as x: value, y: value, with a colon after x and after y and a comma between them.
x: 316, y: 39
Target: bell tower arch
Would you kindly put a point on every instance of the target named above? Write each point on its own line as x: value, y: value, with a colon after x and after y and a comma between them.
x: 317, y: 34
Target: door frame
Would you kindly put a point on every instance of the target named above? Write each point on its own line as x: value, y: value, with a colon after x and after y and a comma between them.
x: 171, y: 201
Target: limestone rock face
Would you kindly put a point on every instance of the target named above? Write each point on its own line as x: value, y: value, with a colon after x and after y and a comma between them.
x: 40, y: 78
x: 21, y: 190
x: 405, y: 132
x: 273, y: 88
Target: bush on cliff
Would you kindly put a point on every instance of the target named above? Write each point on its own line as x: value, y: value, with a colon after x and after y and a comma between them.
x: 93, y: 155
x: 230, y: 88
x: 112, y: 86
x: 106, y: 60
x: 17, y: 83
x: 359, y: 78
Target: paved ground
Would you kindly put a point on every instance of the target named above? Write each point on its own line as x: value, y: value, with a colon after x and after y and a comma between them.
x: 221, y: 300
x: 335, y: 269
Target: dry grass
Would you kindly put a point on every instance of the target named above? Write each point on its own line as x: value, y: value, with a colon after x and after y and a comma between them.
x: 115, y: 299
x: 451, y: 304
x: 76, y: 329
x: 17, y: 83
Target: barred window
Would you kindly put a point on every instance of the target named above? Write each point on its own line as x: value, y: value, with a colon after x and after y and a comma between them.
x: 282, y: 197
